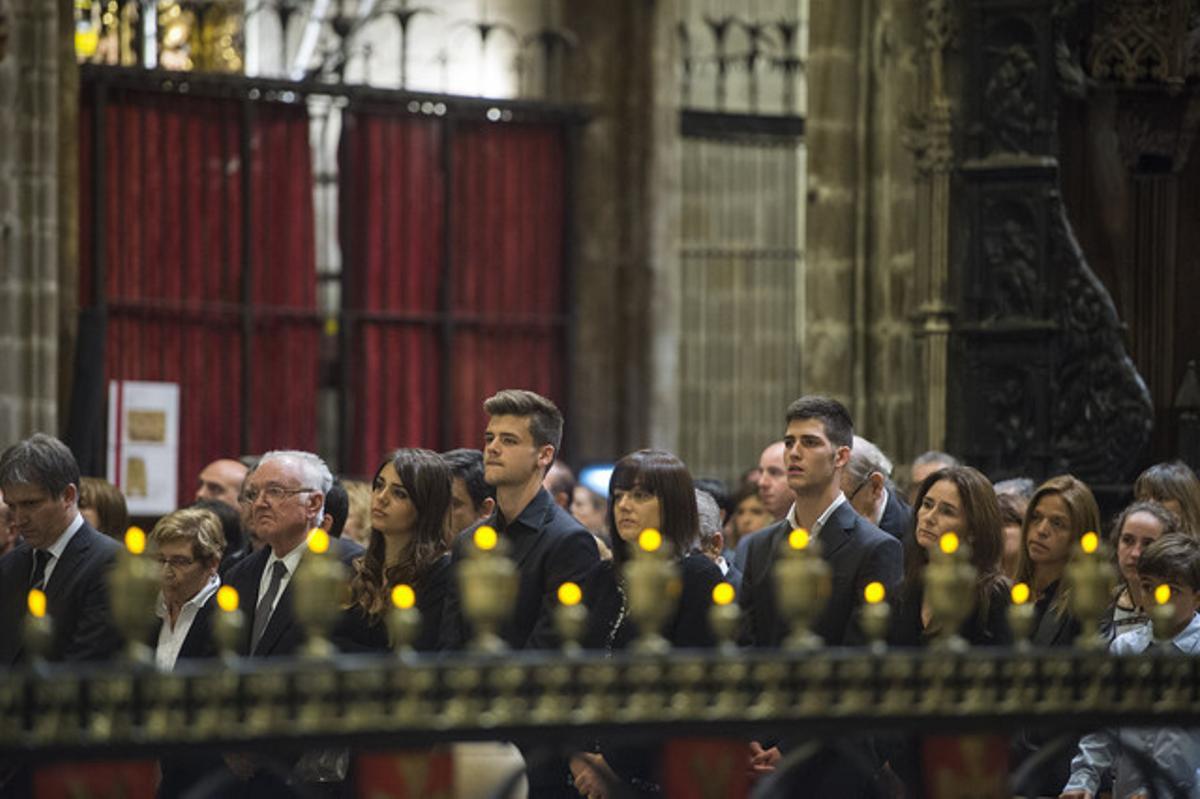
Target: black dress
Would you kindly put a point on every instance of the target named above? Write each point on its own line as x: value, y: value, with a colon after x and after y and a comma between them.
x: 611, y: 628
x: 985, y: 627
x: 354, y: 631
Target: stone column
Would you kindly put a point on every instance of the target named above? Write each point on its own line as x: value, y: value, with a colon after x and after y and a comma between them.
x: 31, y: 89
x: 624, y: 364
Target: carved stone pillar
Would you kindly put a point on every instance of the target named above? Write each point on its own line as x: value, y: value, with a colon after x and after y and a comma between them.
x: 933, y: 144
x: 30, y: 289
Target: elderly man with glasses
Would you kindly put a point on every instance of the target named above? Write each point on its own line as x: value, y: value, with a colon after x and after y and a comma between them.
x: 867, y: 484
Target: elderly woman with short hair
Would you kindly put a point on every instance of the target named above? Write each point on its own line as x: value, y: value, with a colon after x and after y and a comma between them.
x: 188, y: 545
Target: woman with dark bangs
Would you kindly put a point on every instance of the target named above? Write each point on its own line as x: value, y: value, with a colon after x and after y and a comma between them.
x: 410, y: 501
x: 648, y: 489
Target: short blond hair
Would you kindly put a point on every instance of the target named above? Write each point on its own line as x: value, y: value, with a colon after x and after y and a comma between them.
x: 199, y: 526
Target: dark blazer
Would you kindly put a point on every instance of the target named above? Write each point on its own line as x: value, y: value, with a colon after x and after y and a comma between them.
x: 354, y: 632
x: 857, y: 552
x: 549, y: 548
x: 897, y: 516
x: 284, y: 634
x: 77, y: 599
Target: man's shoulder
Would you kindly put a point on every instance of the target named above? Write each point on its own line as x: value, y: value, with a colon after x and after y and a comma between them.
x: 863, y: 531
x: 764, y: 540
x: 563, y: 524
x: 248, y: 567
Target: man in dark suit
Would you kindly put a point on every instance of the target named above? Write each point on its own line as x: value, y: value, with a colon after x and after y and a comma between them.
x: 818, y: 440
x: 549, y: 547
x: 61, y: 555
x: 284, y: 499
x: 867, y: 484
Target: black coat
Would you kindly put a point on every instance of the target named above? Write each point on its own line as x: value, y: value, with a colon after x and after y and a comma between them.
x: 857, y: 552
x: 284, y: 634
x: 354, y: 631
x: 610, y: 627
x: 897, y: 517
x: 77, y: 600
x: 984, y: 627
x: 549, y: 548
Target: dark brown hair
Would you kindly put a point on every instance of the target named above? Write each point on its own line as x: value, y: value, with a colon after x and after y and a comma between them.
x: 108, y: 502
x: 426, y: 477
x: 665, y: 476
x: 545, y: 420
x: 839, y: 428
x: 1175, y: 558
x: 984, y: 532
x: 1173, y: 480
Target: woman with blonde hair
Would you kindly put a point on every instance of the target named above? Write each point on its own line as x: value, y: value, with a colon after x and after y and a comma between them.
x: 1060, y: 512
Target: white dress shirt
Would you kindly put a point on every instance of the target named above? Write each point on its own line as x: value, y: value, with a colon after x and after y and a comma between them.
x: 170, y: 639
x: 58, y: 547
x: 815, y: 530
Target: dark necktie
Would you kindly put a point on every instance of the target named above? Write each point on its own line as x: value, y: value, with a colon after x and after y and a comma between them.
x: 38, y: 580
x: 262, y: 614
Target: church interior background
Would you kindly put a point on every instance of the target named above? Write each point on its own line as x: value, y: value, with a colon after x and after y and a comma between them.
x: 340, y: 224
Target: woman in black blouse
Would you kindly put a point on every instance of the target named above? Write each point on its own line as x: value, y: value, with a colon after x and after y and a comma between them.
x: 410, y: 500
x: 648, y: 489
x: 958, y: 500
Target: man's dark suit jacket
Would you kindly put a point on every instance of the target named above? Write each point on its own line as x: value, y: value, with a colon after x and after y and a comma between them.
x: 897, y: 516
x: 284, y: 634
x: 857, y: 552
x: 77, y: 599
x: 549, y: 548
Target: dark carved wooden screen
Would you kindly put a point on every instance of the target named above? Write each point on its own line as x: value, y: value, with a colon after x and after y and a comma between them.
x: 1041, y: 382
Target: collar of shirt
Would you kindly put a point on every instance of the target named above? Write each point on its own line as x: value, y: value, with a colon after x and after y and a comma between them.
x: 532, y: 517
x: 196, y: 602
x: 1140, y: 638
x: 291, y: 560
x: 58, y: 547
x: 882, y: 509
x: 824, y: 517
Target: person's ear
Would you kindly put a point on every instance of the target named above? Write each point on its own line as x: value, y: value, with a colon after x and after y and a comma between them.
x: 486, y: 508
x: 545, y: 456
x: 717, y: 542
x: 841, y: 457
x: 327, y: 522
x: 316, y: 501
x: 70, y: 494
x: 877, y: 483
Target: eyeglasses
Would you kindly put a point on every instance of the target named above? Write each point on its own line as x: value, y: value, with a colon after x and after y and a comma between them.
x: 859, y: 487
x: 272, y: 493
x: 175, y: 561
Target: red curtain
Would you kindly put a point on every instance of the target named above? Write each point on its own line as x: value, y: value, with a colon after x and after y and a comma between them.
x: 496, y: 297
x: 172, y: 196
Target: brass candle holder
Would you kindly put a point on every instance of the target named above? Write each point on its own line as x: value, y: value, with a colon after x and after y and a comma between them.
x: 488, y: 583
x: 1021, y: 615
x: 874, y: 616
x: 321, y: 587
x: 229, y: 624
x: 949, y: 587
x: 1091, y: 579
x: 134, y: 587
x: 1162, y: 613
x: 725, y: 617
x: 653, y: 582
x: 570, y: 618
x: 802, y: 585
x: 404, y: 620
x: 38, y: 631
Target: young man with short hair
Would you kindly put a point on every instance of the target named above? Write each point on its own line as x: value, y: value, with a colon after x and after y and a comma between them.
x: 523, y: 435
